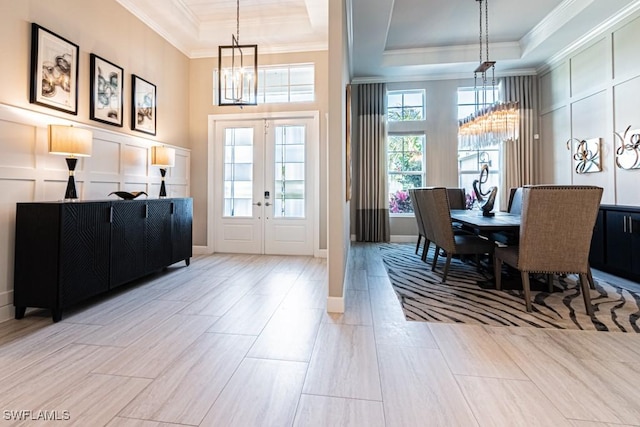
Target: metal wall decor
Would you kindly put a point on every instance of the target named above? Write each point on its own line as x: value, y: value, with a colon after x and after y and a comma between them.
x: 586, y: 156
x: 628, y: 153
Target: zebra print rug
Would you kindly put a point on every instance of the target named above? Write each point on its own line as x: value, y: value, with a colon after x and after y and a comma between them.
x: 465, y: 297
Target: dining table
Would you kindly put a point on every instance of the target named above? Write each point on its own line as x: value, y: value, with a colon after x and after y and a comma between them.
x: 480, y: 224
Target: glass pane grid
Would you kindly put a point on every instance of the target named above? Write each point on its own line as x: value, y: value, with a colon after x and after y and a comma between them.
x: 238, y: 172
x: 289, y: 176
x: 405, y: 154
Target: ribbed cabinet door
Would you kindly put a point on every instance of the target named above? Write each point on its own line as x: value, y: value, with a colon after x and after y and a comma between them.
x: 127, y: 241
x: 84, y: 259
x: 158, y: 238
x: 181, y: 233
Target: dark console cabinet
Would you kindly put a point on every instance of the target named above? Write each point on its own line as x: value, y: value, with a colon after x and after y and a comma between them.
x: 615, y: 247
x: 68, y: 252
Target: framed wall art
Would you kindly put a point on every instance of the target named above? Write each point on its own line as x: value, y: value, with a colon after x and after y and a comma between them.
x: 105, y: 102
x: 143, y: 105
x: 54, y: 71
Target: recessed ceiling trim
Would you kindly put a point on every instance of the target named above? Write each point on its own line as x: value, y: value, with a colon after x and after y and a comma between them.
x: 144, y: 17
x: 432, y: 77
x: 448, y: 55
x: 188, y: 13
x: 555, y: 20
x: 212, y: 52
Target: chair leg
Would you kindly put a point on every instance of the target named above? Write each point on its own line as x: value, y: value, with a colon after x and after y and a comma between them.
x: 592, y: 284
x: 584, y: 280
x: 425, y: 249
x: 527, y: 290
x: 497, y: 272
x: 435, y: 258
x: 446, y: 268
x: 550, y: 282
x: 418, y: 243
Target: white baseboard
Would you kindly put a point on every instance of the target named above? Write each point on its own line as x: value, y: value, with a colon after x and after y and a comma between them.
x: 202, y: 250
x: 320, y: 253
x: 335, y: 304
x: 403, y: 238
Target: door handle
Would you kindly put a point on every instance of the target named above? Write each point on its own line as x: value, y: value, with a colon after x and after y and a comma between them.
x: 267, y: 204
x: 624, y: 224
x: 258, y: 204
x: 630, y: 225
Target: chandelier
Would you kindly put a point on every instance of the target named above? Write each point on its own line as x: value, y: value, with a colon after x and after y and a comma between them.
x: 494, y: 122
x: 238, y: 70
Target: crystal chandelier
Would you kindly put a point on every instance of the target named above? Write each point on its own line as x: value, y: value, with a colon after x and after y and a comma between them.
x: 490, y: 123
x: 238, y: 70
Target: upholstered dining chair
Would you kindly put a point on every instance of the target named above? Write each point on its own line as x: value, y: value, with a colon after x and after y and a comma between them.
x: 420, y: 223
x: 555, y: 236
x: 509, y: 238
x: 419, y: 196
x: 438, y: 215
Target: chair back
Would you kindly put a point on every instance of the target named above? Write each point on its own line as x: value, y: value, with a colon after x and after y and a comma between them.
x: 515, y: 201
x: 416, y: 211
x: 420, y: 202
x: 457, y: 198
x: 439, y: 218
x: 556, y: 228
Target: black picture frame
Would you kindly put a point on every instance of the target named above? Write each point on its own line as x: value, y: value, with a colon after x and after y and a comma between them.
x: 54, y: 71
x: 143, y: 105
x: 106, y: 91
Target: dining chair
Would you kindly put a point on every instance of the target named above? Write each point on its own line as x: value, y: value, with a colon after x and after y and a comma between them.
x: 419, y: 195
x: 509, y: 238
x: 555, y: 236
x: 438, y: 215
x: 420, y: 223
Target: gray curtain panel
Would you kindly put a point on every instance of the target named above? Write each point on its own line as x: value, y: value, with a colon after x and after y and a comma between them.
x: 519, y: 156
x: 372, y: 196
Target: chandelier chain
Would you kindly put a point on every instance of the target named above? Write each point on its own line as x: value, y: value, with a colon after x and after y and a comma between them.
x: 238, y: 21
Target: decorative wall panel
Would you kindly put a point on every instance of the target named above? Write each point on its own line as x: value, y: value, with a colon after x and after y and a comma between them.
x: 29, y: 173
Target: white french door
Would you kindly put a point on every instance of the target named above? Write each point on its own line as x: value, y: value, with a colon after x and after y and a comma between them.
x: 263, y: 185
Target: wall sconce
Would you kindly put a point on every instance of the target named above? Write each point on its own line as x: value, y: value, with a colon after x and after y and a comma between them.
x: 165, y: 158
x: 72, y: 142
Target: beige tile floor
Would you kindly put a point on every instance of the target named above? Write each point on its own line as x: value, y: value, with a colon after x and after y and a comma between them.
x: 239, y: 340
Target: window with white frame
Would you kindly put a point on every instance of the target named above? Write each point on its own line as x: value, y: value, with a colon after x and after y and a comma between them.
x: 471, y: 160
x: 286, y: 83
x: 405, y: 105
x: 406, y: 143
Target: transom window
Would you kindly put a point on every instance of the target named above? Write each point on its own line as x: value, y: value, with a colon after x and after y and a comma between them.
x: 283, y: 83
x: 405, y: 105
x: 286, y: 83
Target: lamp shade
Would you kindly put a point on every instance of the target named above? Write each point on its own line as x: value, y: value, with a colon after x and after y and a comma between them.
x: 163, y: 156
x: 70, y: 141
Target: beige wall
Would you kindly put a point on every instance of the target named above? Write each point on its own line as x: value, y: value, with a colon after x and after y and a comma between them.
x: 121, y: 157
x: 202, y: 106
x: 110, y: 31
x: 593, y: 93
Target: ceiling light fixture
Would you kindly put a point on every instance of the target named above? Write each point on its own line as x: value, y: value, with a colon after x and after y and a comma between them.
x: 238, y: 70
x: 492, y: 121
